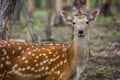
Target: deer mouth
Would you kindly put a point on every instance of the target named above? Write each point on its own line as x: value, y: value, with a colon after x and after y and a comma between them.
x: 81, y: 35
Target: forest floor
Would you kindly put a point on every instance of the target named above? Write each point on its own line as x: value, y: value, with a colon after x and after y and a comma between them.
x: 104, y: 63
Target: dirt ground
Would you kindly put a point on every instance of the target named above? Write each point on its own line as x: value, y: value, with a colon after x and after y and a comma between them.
x: 104, y: 63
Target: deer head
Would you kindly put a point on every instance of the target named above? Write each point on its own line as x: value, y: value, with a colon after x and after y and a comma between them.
x: 80, y: 21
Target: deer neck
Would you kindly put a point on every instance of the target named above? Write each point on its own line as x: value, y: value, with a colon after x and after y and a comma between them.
x: 79, y: 51
x: 80, y: 46
x: 78, y: 56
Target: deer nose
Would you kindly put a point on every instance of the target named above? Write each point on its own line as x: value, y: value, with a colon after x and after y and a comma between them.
x: 80, y: 31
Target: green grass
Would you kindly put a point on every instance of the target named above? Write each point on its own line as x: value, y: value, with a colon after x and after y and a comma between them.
x: 104, y: 19
x: 40, y: 19
x: 40, y: 13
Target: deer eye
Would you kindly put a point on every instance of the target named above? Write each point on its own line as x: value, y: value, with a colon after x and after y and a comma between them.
x: 74, y: 23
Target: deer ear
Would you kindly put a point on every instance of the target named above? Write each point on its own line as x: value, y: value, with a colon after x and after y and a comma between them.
x: 93, y: 15
x: 66, y: 17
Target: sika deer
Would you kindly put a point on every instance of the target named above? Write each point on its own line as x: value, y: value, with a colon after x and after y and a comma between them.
x: 22, y: 61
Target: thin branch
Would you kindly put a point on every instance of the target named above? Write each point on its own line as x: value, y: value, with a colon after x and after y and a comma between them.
x: 33, y: 35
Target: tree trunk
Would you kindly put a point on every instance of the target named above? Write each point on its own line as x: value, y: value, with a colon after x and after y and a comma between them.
x: 33, y: 35
x: 106, y: 8
x: 17, y: 12
x: 118, y: 5
x: 59, y: 5
x: 58, y: 19
x: 6, y: 14
x: 49, y: 15
x: 96, y: 3
x: 31, y: 7
x: 87, y: 4
x: 37, y: 4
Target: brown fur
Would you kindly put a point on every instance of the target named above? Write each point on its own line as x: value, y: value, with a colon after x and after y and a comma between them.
x: 22, y: 61
x: 68, y: 68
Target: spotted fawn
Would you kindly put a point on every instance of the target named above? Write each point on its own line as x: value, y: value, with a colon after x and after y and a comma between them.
x: 22, y: 61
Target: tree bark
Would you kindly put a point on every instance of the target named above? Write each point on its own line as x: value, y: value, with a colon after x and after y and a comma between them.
x: 106, y: 8
x: 49, y: 15
x: 58, y: 19
x: 37, y: 4
x: 87, y: 4
x: 6, y: 14
x: 31, y: 7
x: 33, y: 35
x: 17, y: 12
x: 118, y: 5
x: 96, y: 3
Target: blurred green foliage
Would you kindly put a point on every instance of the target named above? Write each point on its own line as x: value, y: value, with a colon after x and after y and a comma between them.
x: 94, y: 3
x: 40, y: 18
x: 113, y: 1
x: 40, y: 14
x: 43, y: 3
